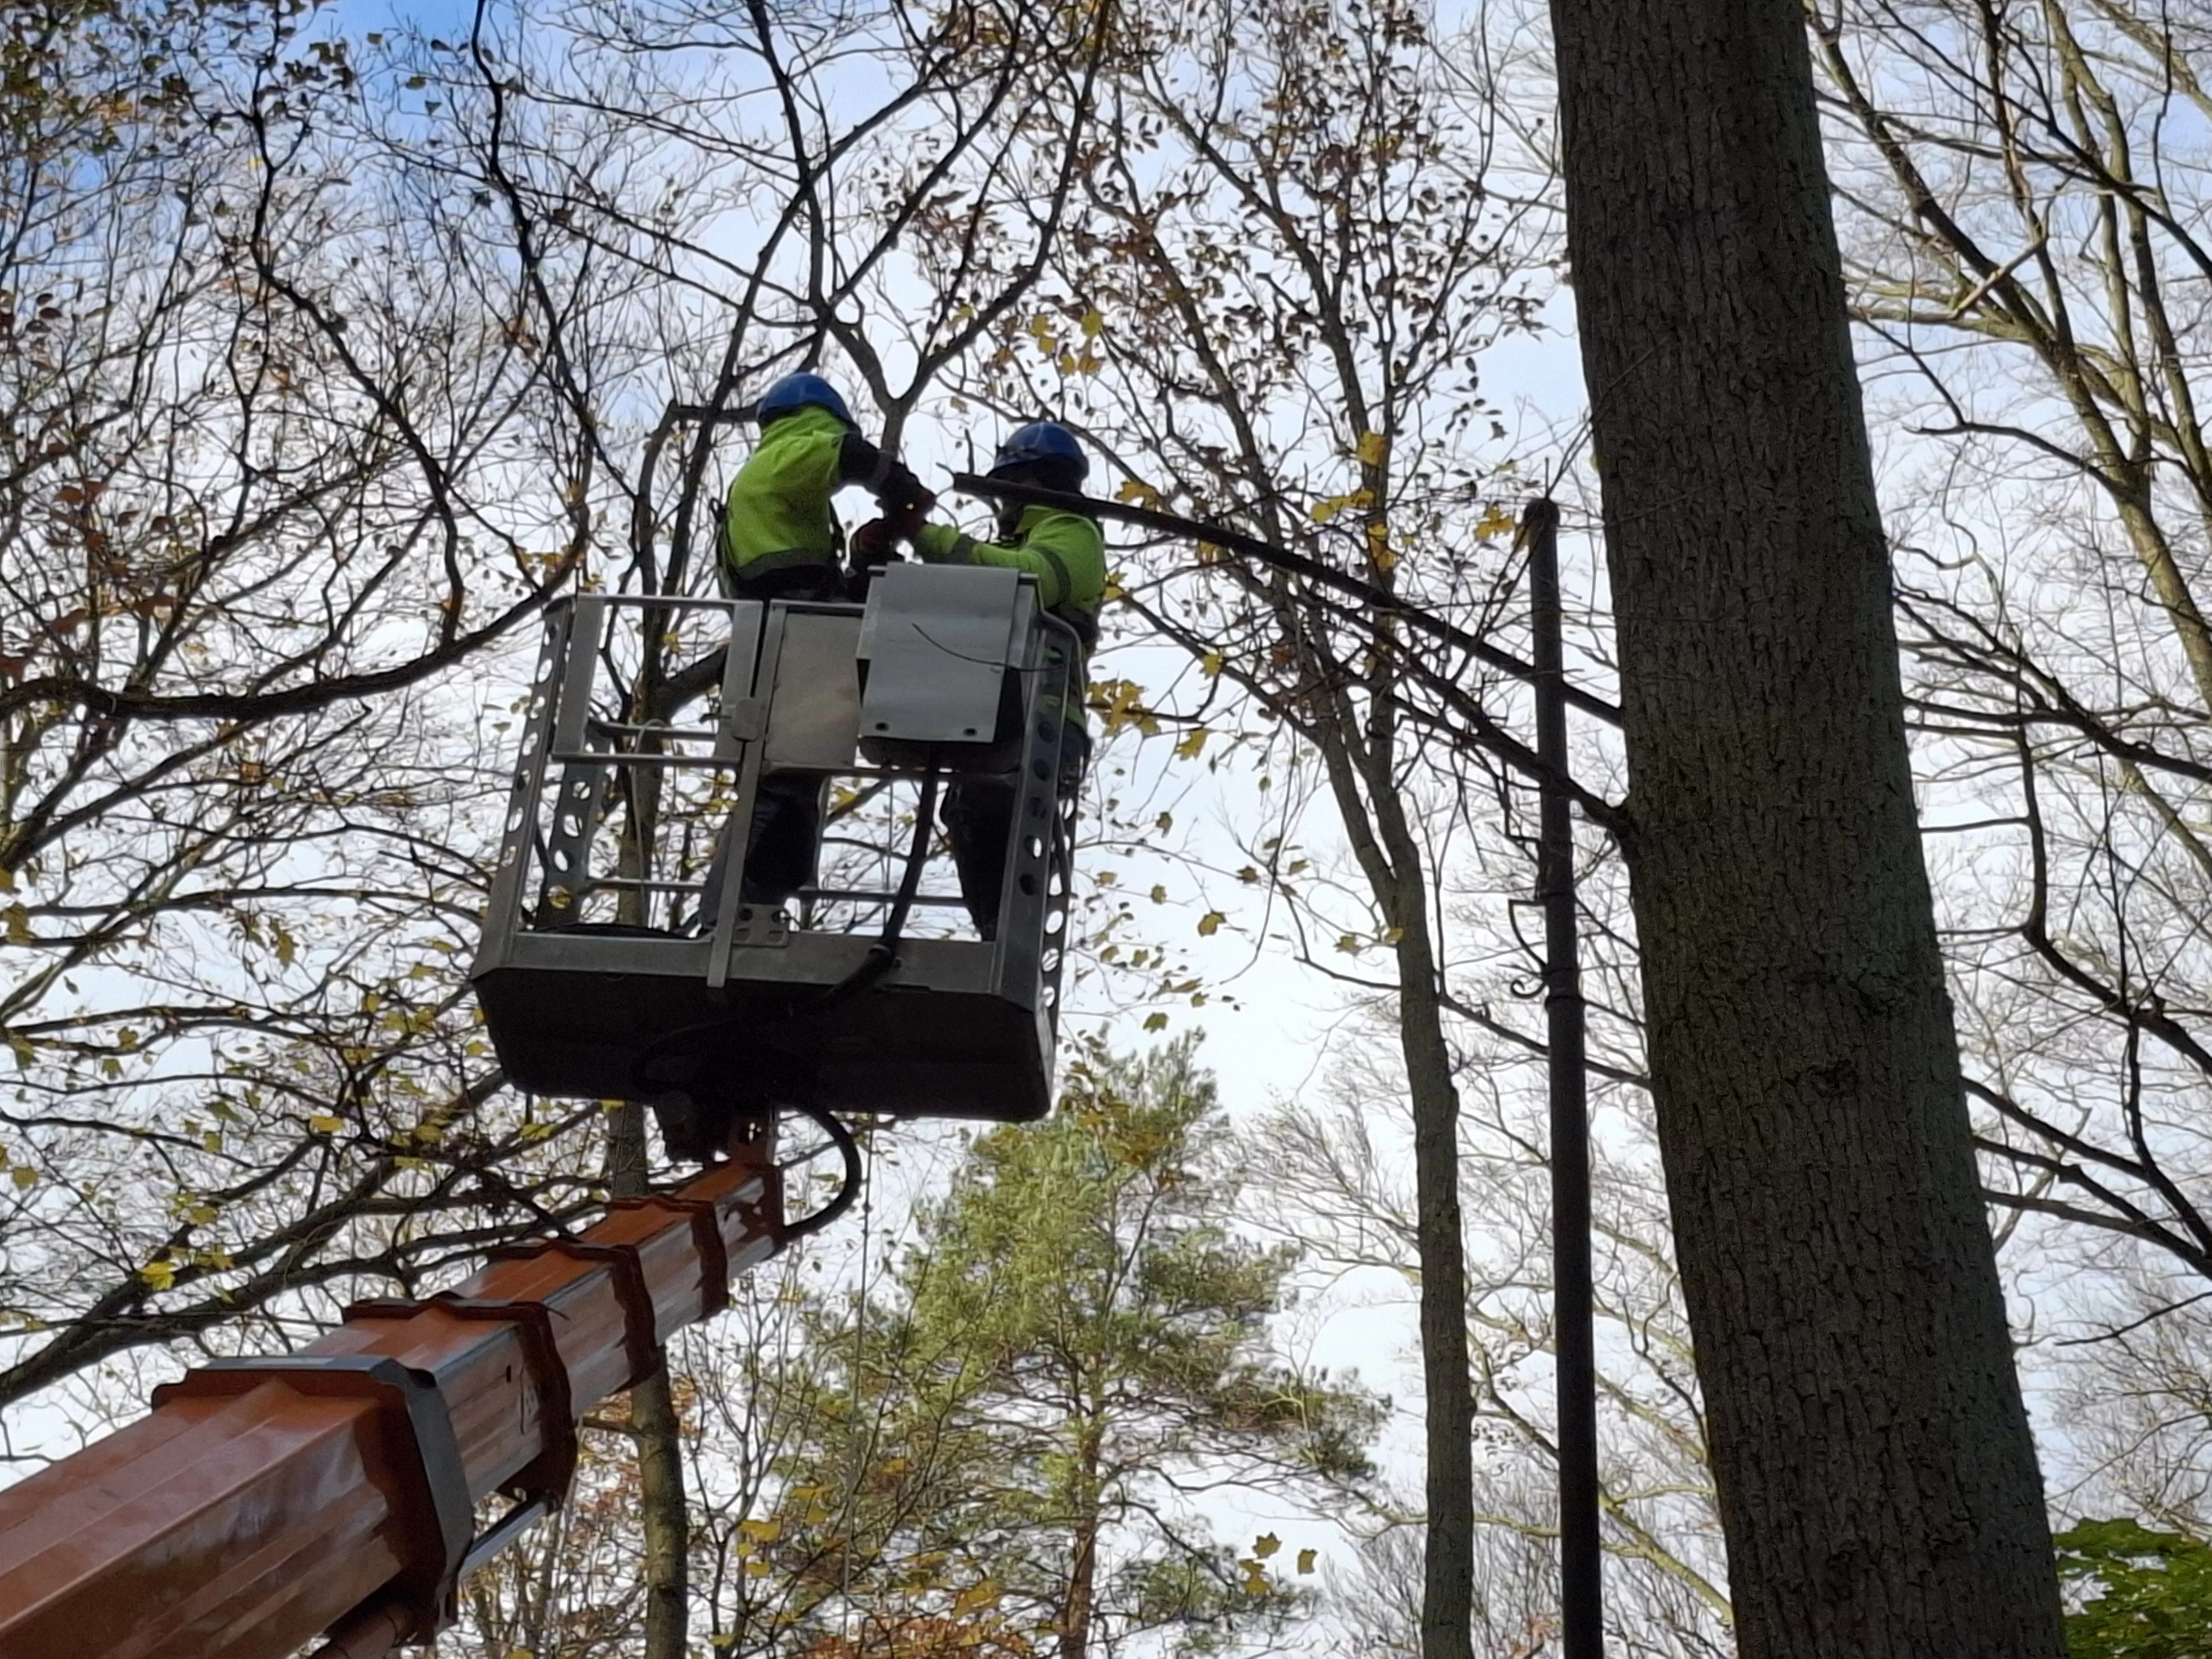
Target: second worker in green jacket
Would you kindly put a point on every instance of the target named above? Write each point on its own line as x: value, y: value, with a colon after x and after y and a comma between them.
x: 1065, y: 551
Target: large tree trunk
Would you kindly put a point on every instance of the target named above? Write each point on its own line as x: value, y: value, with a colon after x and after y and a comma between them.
x: 1877, y: 1482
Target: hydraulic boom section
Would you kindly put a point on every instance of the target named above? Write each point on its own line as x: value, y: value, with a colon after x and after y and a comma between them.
x: 266, y: 1501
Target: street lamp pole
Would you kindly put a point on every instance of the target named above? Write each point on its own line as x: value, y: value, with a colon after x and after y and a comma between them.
x: 1582, y: 1599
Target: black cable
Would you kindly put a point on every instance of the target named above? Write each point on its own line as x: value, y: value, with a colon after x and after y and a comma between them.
x: 1280, y: 558
x: 882, y: 959
x: 847, y: 1195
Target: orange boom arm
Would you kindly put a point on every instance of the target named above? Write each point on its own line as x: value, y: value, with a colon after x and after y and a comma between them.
x: 264, y: 1502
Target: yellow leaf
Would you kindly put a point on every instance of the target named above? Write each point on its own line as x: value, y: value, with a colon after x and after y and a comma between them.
x: 980, y: 1595
x: 25, y: 1177
x: 1193, y: 744
x: 1156, y: 1022
x: 521, y: 1653
x: 324, y: 1124
x: 1348, y: 942
x: 1093, y: 321
x: 1306, y: 1560
x: 1210, y: 924
x: 160, y: 1275
x: 1160, y: 894
x: 1324, y: 511
x: 19, y: 925
x: 1497, y: 521
x: 1379, y: 549
x: 1371, y: 448
x: 761, y: 1532
x: 1136, y: 492
x: 1392, y: 935
x: 1266, y: 1545
x: 1211, y: 664
x: 758, y: 1569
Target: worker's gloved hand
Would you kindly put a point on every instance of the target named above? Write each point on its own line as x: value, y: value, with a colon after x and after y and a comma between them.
x: 873, y: 545
x: 900, y: 491
x: 900, y: 522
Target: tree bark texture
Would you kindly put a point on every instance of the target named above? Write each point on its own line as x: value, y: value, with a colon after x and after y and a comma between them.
x: 1447, y: 1591
x: 1878, y: 1484
x: 663, y: 1516
x: 1080, y: 1607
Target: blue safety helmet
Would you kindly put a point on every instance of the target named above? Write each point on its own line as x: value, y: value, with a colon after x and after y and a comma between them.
x: 796, y: 391
x: 1043, y: 440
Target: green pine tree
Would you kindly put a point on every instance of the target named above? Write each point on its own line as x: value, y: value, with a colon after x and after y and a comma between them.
x: 1075, y: 1345
x: 2136, y: 1593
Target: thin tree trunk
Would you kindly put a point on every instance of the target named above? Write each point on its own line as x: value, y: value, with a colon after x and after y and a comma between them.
x: 1877, y: 1482
x: 664, y: 1517
x: 1362, y: 781
x: 1448, y: 1592
x: 1082, y: 1569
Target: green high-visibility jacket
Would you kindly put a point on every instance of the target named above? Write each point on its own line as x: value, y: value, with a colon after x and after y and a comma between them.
x: 778, y: 513
x: 1065, y: 551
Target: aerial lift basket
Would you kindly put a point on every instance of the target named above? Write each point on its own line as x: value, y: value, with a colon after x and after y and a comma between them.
x: 598, y: 963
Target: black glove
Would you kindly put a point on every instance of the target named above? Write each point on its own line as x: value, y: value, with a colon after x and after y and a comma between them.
x: 871, y: 545
x: 883, y: 474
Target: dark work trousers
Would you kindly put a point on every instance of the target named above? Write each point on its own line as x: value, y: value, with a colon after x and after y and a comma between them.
x: 779, y: 853
x: 979, y: 822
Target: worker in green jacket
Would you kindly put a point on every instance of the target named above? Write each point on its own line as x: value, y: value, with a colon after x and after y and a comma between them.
x: 781, y: 540
x: 1065, y: 551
